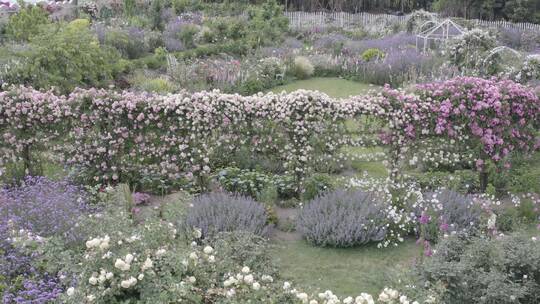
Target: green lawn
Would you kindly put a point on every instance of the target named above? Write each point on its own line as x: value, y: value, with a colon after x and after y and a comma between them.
x: 344, y: 271
x: 333, y: 86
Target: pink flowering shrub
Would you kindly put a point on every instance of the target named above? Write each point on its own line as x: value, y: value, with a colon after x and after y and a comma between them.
x: 30, y: 120
x: 498, y: 116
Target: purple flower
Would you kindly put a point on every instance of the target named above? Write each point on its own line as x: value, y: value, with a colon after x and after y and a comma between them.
x: 44, y: 207
x: 424, y: 218
x: 140, y: 198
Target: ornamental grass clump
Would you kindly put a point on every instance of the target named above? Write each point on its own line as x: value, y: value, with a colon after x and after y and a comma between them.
x: 343, y: 219
x: 221, y: 212
x: 302, y: 68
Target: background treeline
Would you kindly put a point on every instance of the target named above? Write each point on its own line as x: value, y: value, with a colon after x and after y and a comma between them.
x: 512, y: 10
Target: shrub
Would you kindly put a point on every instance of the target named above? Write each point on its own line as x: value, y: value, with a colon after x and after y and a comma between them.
x: 302, y: 67
x: 372, y: 54
x: 133, y: 42
x: 343, y: 219
x: 316, y: 185
x: 417, y: 19
x: 469, y: 50
x: 221, y: 212
x: 64, y: 56
x: 483, y: 270
x: 27, y: 23
x: 244, y: 182
x: 243, y: 248
x: 266, y: 24
x: 44, y: 207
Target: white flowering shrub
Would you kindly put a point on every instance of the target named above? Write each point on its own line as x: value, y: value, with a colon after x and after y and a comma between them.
x: 468, y: 50
x: 417, y: 18
x: 530, y: 70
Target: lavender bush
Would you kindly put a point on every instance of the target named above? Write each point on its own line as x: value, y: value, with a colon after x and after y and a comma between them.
x: 459, y: 212
x: 387, y: 43
x: 44, y: 207
x: 343, y: 219
x: 448, y: 212
x: 222, y: 212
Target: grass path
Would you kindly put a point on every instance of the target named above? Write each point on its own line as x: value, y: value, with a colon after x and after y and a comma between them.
x: 333, y: 86
x: 346, y: 271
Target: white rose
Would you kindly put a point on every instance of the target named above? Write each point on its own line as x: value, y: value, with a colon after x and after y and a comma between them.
x: 104, y: 245
x: 70, y: 291
x: 147, y: 264
x: 256, y: 286
x: 121, y: 265
x: 140, y: 277
x: 302, y: 296
x: 109, y: 275
x: 248, y: 279
x: 208, y: 250
x: 245, y: 269
x: 92, y: 243
x: 92, y: 280
x: 348, y: 300
x: 129, y: 258
x: 192, y: 280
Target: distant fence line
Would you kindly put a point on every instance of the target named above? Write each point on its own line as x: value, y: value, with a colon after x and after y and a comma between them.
x: 300, y: 20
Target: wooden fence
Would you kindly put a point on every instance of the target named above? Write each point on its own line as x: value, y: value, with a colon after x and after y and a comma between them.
x: 302, y: 20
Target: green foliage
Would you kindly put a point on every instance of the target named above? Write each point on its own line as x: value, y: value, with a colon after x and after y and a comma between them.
x: 181, y: 6
x: 27, y: 23
x: 156, y: 85
x: 483, y: 270
x: 520, y: 10
x: 266, y: 24
x: 129, y: 7
x: 156, y: 9
x: 65, y: 56
x: 372, y: 54
x: 316, y: 185
x: 120, y: 40
x: 246, y: 182
x: 257, y: 184
x: 463, y: 181
x: 187, y: 36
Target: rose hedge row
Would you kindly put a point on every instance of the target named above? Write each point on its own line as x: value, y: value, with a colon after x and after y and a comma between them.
x: 125, y: 136
x: 117, y: 136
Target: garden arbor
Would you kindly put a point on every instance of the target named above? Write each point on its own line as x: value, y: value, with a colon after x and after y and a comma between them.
x: 433, y: 31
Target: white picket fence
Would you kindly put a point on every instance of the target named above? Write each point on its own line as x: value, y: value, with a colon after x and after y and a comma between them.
x: 303, y: 20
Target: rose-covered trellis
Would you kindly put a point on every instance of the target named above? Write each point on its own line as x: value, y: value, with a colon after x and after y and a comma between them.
x: 491, y: 117
x: 145, y: 138
x: 112, y: 137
